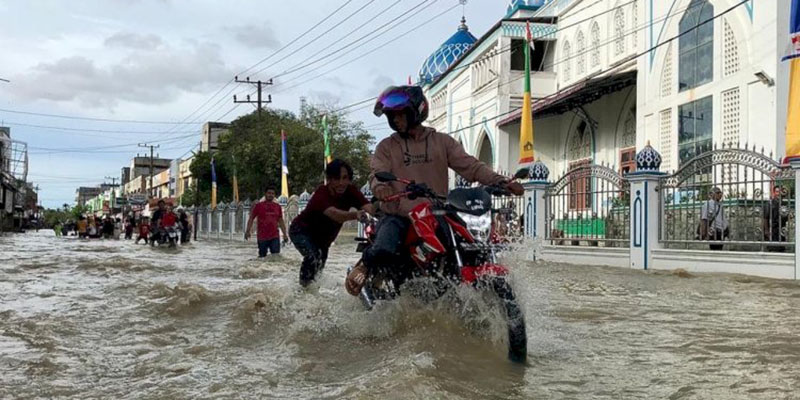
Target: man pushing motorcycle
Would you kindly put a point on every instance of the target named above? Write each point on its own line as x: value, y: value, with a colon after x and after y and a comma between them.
x: 416, y: 153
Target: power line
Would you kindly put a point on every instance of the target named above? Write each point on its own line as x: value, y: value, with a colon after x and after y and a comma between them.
x: 364, y: 54
x: 397, y: 21
x: 461, y: 66
x: 129, y: 121
x: 81, y: 149
x: 328, y: 16
x: 356, y: 29
x: 317, y: 37
x: 63, y: 128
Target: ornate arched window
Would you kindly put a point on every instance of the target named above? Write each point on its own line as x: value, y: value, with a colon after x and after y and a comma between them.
x: 619, y: 32
x: 696, y: 48
x: 629, y: 129
x: 567, y: 67
x: 581, y: 43
x: 580, y: 154
x: 580, y: 142
x: 595, y: 55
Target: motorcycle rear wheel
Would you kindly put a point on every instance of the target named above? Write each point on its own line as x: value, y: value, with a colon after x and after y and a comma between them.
x: 517, y: 337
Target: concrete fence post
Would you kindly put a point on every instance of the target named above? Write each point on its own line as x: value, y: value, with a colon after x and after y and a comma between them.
x: 535, y: 210
x: 645, y: 208
x: 795, y: 164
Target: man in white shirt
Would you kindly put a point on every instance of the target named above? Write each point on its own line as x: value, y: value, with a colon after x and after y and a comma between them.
x: 714, y: 224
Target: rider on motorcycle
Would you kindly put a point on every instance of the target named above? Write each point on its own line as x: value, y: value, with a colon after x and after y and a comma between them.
x: 417, y: 153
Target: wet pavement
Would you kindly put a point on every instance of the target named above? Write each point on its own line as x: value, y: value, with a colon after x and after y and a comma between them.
x: 110, y: 319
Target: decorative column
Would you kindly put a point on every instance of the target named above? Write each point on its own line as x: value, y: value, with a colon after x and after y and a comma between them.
x: 232, y: 219
x: 645, y: 207
x: 208, y: 218
x: 303, y: 201
x: 536, y: 207
x: 245, y: 216
x: 795, y: 164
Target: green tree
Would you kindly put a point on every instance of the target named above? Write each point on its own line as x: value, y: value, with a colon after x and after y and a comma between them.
x: 254, y: 144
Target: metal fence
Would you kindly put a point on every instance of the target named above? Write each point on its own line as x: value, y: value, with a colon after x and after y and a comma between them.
x: 507, y: 213
x: 588, y: 206
x: 229, y: 221
x: 754, y: 212
x: 508, y: 217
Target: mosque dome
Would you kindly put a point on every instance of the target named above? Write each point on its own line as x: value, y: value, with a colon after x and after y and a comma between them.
x: 447, y: 54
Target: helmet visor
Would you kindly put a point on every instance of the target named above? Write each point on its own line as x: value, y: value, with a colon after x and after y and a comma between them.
x: 392, y: 101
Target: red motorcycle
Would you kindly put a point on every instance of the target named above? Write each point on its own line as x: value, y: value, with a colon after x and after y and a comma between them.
x: 449, y: 242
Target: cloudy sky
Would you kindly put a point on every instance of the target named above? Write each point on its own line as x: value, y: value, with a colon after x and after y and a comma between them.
x: 166, y: 60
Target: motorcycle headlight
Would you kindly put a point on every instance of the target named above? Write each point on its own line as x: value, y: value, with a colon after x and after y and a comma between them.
x: 478, y: 225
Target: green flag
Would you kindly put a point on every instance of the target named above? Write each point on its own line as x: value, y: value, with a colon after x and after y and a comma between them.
x: 326, y: 137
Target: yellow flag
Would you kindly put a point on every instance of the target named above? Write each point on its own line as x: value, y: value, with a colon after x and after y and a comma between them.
x: 793, y: 114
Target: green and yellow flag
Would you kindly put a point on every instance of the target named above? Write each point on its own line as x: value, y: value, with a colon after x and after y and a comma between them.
x: 526, y: 125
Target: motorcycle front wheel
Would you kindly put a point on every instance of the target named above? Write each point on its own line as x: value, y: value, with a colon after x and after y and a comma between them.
x: 517, y: 337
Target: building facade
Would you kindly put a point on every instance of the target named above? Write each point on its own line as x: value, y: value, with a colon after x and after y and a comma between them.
x: 610, y: 76
x: 211, y: 132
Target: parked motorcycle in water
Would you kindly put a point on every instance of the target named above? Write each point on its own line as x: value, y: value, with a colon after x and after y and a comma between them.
x: 449, y: 243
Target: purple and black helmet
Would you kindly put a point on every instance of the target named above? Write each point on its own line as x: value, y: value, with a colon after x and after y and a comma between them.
x: 403, y: 98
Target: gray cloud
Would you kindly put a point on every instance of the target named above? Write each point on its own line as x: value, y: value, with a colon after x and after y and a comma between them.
x: 259, y: 36
x: 133, y: 41
x: 323, y: 97
x: 152, y: 76
x: 379, y: 83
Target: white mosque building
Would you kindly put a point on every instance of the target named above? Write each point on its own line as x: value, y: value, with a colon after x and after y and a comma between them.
x: 610, y: 76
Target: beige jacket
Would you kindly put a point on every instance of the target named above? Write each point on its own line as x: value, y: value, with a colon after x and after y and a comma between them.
x: 425, y: 160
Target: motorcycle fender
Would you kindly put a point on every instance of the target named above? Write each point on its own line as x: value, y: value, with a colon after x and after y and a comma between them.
x: 470, y: 274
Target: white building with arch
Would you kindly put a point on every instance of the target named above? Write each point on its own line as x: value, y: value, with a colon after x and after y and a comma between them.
x: 609, y: 76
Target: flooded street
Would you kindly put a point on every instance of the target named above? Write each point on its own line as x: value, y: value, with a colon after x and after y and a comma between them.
x: 109, y: 319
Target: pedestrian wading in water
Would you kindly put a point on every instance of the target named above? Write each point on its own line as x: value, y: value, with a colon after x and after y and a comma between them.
x: 331, y: 205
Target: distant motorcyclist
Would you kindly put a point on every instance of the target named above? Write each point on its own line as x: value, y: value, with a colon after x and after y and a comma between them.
x: 155, y: 218
x: 168, y: 219
x: 417, y: 153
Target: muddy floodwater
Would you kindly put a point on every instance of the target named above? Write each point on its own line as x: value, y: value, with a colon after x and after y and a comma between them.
x: 110, y: 319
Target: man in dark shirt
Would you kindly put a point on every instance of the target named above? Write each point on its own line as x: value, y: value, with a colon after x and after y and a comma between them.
x: 317, y: 226
x: 774, y: 224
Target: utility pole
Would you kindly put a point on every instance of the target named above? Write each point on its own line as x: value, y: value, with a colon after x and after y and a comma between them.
x: 151, y: 163
x: 113, y: 191
x: 259, y: 87
x: 196, y: 196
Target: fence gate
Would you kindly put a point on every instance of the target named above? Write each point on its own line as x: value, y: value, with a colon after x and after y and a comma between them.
x: 588, y: 206
x: 757, y: 203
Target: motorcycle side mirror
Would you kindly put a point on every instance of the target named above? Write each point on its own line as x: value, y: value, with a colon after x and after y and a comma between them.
x: 522, y: 173
x: 385, y: 176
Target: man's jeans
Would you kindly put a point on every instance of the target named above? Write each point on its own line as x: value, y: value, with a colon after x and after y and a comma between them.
x: 273, y: 245
x: 392, y: 230
x: 314, y: 256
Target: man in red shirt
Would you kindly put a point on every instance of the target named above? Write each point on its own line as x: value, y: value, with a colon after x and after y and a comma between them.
x: 270, y: 217
x: 318, y: 224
